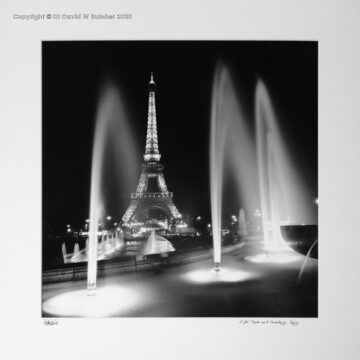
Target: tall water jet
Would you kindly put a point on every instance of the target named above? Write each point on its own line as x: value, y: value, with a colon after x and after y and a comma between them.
x: 217, y: 143
x: 242, y: 223
x: 111, y: 133
x: 232, y: 150
x: 281, y: 191
x: 76, y: 253
x: 63, y: 250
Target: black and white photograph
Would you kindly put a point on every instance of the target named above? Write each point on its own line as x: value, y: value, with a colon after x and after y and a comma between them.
x: 179, y: 179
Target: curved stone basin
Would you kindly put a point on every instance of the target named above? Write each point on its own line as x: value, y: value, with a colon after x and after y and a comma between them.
x: 301, y: 237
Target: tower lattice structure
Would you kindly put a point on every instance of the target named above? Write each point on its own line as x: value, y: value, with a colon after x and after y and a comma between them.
x: 151, y: 192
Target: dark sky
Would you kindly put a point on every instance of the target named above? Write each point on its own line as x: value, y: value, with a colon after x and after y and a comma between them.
x: 74, y: 71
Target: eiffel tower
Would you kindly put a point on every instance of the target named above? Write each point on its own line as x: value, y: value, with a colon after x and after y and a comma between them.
x: 152, y: 198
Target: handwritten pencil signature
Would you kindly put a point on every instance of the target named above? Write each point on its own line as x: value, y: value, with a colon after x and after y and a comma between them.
x: 48, y: 322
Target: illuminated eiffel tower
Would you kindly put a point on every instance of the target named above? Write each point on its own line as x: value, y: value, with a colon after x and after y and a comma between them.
x: 152, y: 199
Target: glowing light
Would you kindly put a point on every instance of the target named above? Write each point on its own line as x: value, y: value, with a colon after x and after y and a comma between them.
x: 274, y: 257
x: 316, y: 201
x: 282, y: 190
x: 206, y: 276
x: 89, y: 233
x: 157, y: 244
x: 108, y: 218
x: 108, y: 301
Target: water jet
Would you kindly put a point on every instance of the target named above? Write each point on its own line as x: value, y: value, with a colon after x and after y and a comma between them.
x: 112, y: 133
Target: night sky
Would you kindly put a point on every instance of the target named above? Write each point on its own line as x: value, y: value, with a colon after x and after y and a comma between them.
x: 72, y: 76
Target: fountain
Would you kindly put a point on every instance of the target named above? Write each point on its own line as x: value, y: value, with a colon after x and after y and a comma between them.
x: 283, y: 196
x: 76, y: 253
x: 232, y: 150
x: 118, y: 240
x: 63, y: 249
x: 112, y: 133
x: 157, y: 244
x: 263, y: 164
x: 242, y: 223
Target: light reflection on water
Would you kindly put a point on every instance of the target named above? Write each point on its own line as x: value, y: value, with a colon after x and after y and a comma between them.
x: 206, y: 276
x: 275, y: 257
x: 108, y: 301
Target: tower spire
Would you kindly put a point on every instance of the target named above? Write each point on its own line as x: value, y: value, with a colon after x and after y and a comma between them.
x: 152, y: 147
